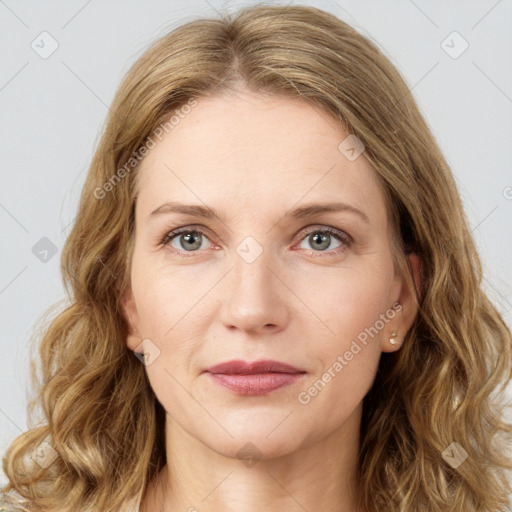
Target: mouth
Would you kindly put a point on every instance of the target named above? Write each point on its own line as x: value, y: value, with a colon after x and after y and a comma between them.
x: 256, y: 378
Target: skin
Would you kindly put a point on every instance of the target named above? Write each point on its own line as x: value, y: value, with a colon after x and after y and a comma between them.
x: 253, y: 158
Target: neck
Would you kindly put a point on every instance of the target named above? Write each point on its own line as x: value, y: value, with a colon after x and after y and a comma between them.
x: 317, y: 476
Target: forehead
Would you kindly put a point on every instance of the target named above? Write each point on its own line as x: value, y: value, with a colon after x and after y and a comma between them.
x: 256, y: 153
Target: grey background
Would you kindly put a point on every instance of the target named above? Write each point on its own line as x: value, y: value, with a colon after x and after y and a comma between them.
x: 52, y: 111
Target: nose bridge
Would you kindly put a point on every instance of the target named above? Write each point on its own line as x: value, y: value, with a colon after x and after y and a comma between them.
x: 253, y: 296
x: 251, y: 265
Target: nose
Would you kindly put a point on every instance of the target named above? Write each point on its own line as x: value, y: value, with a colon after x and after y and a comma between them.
x: 254, y: 297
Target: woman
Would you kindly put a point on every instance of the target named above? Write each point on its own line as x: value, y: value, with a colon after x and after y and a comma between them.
x: 275, y: 299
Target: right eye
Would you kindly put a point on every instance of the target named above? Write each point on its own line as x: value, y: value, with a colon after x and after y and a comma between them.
x: 185, y: 239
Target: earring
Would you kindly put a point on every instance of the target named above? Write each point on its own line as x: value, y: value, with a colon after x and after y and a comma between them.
x: 392, y: 339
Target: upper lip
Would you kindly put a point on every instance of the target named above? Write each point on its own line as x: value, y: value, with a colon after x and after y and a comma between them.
x: 238, y: 367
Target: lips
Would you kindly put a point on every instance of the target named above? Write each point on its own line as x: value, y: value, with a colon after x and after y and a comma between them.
x: 253, y: 379
x: 238, y: 367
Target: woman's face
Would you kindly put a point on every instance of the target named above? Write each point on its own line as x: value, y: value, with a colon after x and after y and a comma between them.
x: 266, y: 277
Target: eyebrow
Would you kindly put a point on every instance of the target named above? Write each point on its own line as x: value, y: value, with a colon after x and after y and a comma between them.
x: 301, y: 212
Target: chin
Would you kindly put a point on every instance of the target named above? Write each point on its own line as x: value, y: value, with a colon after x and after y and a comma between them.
x: 254, y: 443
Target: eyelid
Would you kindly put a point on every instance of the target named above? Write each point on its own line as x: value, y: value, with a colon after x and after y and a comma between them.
x: 343, y: 235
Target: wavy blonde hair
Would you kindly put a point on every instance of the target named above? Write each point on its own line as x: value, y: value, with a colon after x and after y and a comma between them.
x: 446, y: 383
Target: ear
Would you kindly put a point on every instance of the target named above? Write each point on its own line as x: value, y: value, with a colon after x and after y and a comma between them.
x: 407, y: 308
x: 133, y: 339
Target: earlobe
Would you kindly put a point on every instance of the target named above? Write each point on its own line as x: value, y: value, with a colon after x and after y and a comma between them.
x: 409, y: 296
x: 133, y: 339
x: 391, y: 342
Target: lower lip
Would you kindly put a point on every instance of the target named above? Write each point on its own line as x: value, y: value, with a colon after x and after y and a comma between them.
x: 255, y: 384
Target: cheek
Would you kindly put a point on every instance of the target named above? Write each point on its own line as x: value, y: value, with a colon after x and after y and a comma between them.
x: 349, y: 300
x: 336, y: 393
x: 356, y: 309
x: 170, y: 306
x: 164, y: 298
x: 165, y: 306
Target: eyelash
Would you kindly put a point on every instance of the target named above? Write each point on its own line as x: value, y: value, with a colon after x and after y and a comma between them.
x: 341, y: 236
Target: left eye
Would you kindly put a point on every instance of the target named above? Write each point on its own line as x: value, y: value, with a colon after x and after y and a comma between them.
x: 321, y: 239
x: 190, y: 240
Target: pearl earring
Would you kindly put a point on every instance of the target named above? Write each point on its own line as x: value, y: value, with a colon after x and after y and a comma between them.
x: 392, y: 339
